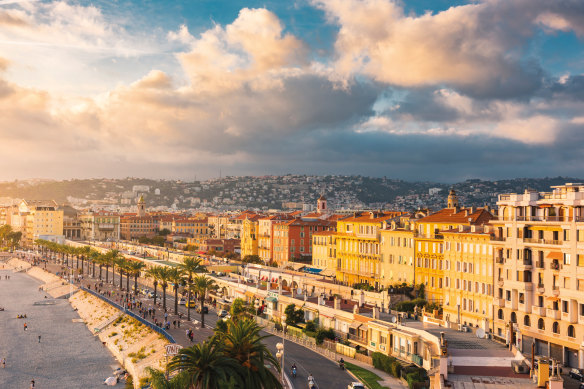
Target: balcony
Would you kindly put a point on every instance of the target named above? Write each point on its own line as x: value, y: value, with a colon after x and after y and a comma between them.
x: 540, y: 288
x: 500, y: 282
x: 357, y: 338
x: 540, y: 264
x: 570, y: 318
x: 555, y: 265
x: 543, y: 241
x: 498, y: 238
x: 552, y: 314
x: 500, y: 302
x: 527, y: 263
x: 540, y: 311
x: 500, y: 260
x: 556, y: 291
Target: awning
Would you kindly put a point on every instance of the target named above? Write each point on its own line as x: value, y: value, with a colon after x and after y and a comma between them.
x: 555, y: 255
x: 312, y: 270
x: 355, y: 325
x: 272, y: 299
x: 297, y: 266
x: 546, y: 228
x: 328, y: 273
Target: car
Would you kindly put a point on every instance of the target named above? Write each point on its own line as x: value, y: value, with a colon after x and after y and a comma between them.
x: 182, y: 301
x: 191, y: 304
x: 222, y: 313
x: 150, y: 294
x: 577, y: 374
x: 205, y: 309
x: 356, y: 385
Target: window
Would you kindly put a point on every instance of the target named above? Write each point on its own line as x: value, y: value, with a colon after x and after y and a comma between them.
x: 500, y: 314
x: 565, y: 306
x: 526, y: 321
x: 556, y: 327
x: 571, y: 332
x: 566, y: 259
x: 540, y: 324
x: 513, y: 317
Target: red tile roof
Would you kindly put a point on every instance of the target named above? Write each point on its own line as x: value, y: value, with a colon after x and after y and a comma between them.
x: 463, y: 216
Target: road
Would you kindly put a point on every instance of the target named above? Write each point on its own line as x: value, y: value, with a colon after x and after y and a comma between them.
x: 326, y: 373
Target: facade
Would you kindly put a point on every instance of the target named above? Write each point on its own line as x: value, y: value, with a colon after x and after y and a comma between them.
x: 249, y: 236
x: 265, y: 235
x: 220, y: 246
x: 539, y: 271
x: 397, y: 251
x: 102, y: 226
x: 324, y: 250
x: 429, y: 243
x: 192, y: 226
x: 37, y: 219
x: 134, y: 227
x: 358, y: 254
x: 218, y: 225
x: 292, y: 241
x: 468, y: 277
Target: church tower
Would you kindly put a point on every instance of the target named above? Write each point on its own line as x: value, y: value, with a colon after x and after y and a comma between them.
x: 141, y: 207
x: 452, y: 199
x: 321, y: 205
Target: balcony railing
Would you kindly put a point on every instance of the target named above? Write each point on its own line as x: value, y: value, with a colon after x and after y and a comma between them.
x: 539, y: 264
x: 543, y: 241
x: 553, y: 314
x: 357, y: 338
x: 500, y: 260
x: 498, y: 238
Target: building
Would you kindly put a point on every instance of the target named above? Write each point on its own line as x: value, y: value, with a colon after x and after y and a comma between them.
x: 397, y: 251
x: 539, y: 271
x: 71, y: 224
x: 358, y: 254
x: 429, y: 243
x: 220, y: 246
x: 218, y: 225
x: 265, y: 235
x: 101, y: 226
x: 468, y: 277
x: 134, y: 227
x: 292, y: 240
x: 193, y: 226
x: 324, y: 250
x: 249, y: 235
x: 37, y: 219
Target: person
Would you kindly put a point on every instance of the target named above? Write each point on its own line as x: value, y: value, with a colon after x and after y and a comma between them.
x: 25, y: 326
x: 32, y: 384
x: 294, y: 370
x: 39, y: 338
x: 3, y: 363
x: 311, y: 383
x: 342, y: 364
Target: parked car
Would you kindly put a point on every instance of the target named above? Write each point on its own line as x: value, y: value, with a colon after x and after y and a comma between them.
x: 182, y: 301
x: 150, y: 294
x: 356, y: 385
x: 191, y: 304
x: 222, y: 313
x: 577, y: 374
x: 205, y: 309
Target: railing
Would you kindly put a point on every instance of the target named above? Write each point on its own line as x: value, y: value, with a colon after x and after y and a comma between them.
x: 498, y: 238
x: 357, y: 338
x: 527, y: 262
x: 555, y: 266
x: 500, y: 260
x: 543, y: 241
x: 540, y: 264
x: 132, y: 314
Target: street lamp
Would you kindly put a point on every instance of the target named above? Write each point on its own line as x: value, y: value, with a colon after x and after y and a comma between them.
x: 280, y: 356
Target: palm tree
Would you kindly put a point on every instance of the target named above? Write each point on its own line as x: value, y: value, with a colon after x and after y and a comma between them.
x: 157, y: 380
x: 152, y: 272
x: 191, y: 266
x: 243, y: 343
x: 113, y: 256
x: 135, y: 267
x: 121, y: 262
x: 202, y: 285
x: 206, y: 365
x: 84, y: 252
x: 164, y: 278
x: 175, y: 275
x: 93, y: 257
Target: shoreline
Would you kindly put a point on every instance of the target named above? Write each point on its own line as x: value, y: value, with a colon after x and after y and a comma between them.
x: 131, y: 343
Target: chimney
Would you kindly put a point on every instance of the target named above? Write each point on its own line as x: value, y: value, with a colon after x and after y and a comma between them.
x: 472, y: 210
x: 362, y: 299
x: 337, y: 304
x: 355, y: 309
x: 375, y: 313
x: 320, y: 299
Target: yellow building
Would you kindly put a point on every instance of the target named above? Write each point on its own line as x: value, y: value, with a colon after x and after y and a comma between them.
x: 358, y: 254
x: 397, y: 251
x: 38, y: 219
x: 429, y: 243
x: 468, y: 277
x: 324, y: 250
x: 249, y: 236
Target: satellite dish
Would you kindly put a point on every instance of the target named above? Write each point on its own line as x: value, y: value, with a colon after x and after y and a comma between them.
x: 480, y: 333
x: 394, y: 319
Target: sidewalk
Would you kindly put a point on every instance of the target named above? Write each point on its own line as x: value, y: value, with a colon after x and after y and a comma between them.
x: 386, y: 379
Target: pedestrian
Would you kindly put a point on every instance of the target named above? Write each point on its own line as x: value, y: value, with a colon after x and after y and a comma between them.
x: 32, y: 384
x: 178, y: 324
x: 25, y: 326
x: 39, y: 338
x: 174, y: 324
x: 3, y: 363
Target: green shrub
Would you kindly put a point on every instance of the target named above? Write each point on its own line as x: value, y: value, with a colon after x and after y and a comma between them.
x: 310, y: 327
x: 415, y: 375
x: 396, y: 369
x: 311, y: 334
x: 323, y: 334
x: 408, y: 306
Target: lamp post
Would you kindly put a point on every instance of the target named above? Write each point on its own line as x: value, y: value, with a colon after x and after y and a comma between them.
x: 280, y: 356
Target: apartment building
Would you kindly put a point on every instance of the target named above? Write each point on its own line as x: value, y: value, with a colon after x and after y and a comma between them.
x: 102, y: 226
x: 324, y: 250
x: 249, y: 235
x: 265, y: 235
x: 292, y: 240
x: 539, y: 271
x: 193, y: 226
x: 358, y: 253
x: 133, y: 227
x: 429, y: 242
x: 37, y: 219
x: 468, y: 277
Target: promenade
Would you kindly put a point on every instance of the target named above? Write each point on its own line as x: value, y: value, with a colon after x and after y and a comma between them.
x: 68, y: 356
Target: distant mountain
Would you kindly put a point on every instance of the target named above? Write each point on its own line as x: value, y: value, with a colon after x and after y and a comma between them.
x: 272, y: 191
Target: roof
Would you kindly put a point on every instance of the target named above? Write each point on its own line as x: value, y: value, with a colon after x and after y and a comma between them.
x: 324, y: 233
x: 301, y: 222
x: 459, y: 216
x: 322, y: 197
x: 373, y: 217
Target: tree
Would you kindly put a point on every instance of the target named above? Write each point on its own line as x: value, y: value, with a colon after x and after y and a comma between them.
x: 175, y: 275
x: 206, y: 365
x: 202, y: 285
x: 253, y: 259
x: 157, y: 380
x: 293, y: 315
x: 164, y: 274
x: 244, y: 344
x: 135, y: 268
x: 191, y: 266
x: 153, y: 273
x: 238, y: 308
x: 164, y: 232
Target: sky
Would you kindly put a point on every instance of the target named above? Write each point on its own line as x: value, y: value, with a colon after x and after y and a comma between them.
x: 416, y: 90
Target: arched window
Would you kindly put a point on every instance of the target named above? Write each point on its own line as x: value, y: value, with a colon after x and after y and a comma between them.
x: 556, y: 328
x: 526, y: 321
x: 541, y: 324
x: 513, y: 317
x: 571, y: 332
x: 500, y: 314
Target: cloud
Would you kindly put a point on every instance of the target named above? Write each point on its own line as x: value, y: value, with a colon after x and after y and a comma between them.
x: 479, y: 48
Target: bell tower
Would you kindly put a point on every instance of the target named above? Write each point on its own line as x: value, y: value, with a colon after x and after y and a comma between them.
x: 141, y: 207
x: 321, y: 206
x: 452, y: 199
